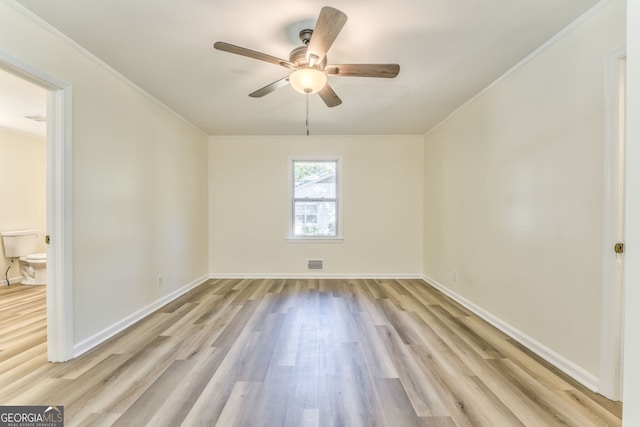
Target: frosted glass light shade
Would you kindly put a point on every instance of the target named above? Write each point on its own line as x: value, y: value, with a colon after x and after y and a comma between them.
x: 308, y: 80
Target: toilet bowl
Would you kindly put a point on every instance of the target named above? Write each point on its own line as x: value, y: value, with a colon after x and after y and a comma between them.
x: 34, y: 269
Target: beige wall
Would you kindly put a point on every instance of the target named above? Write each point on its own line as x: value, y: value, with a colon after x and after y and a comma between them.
x: 22, y: 190
x: 514, y: 194
x: 139, y: 187
x: 382, y: 189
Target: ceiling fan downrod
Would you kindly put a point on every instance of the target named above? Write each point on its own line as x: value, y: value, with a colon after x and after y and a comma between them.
x: 305, y: 36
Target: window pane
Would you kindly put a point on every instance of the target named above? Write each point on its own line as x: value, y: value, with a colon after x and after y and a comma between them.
x: 315, y: 218
x: 315, y: 179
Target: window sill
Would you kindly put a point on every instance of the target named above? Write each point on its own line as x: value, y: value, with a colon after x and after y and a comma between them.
x: 305, y: 239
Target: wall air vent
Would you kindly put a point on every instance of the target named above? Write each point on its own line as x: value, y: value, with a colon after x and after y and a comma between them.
x: 314, y: 264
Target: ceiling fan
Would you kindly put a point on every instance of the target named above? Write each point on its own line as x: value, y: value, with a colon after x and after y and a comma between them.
x: 309, y: 63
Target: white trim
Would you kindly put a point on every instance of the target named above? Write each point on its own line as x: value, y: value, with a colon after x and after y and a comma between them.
x: 541, y: 49
x: 109, y: 332
x: 13, y: 280
x: 316, y: 275
x: 319, y: 239
x: 585, y: 378
x: 610, y: 369
x: 56, y: 33
x: 59, y: 206
x: 59, y: 226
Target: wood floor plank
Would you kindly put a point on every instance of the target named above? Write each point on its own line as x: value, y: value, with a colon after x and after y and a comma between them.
x: 15, y: 367
x: 440, y: 374
x: 398, y: 409
x: 123, y: 386
x: 564, y: 412
x: 209, y: 405
x: 425, y: 400
x: 378, y: 359
x: 243, y: 396
x: 144, y: 407
x: 179, y: 402
x: 589, y: 407
x: 526, y: 408
x: 286, y: 349
x: 295, y: 352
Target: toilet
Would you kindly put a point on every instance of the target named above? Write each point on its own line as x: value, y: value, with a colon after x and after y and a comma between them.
x: 22, y: 244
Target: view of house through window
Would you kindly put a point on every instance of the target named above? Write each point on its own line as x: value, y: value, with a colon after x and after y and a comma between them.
x: 314, y: 198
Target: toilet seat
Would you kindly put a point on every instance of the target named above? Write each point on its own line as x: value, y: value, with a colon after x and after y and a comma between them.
x: 36, y: 257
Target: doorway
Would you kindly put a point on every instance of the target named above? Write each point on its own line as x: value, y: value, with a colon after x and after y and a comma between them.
x: 23, y: 110
x: 59, y: 310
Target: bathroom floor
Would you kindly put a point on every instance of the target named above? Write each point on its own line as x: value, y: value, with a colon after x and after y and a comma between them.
x: 23, y: 330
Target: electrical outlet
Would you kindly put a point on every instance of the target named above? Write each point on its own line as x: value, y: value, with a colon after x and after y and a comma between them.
x: 160, y: 284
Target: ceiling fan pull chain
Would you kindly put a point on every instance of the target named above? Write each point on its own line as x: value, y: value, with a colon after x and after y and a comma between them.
x: 307, y: 121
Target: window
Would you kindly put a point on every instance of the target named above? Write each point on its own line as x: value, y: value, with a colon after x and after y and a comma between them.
x: 314, y: 198
x: 306, y: 213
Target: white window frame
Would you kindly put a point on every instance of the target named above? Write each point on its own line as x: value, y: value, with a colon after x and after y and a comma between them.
x: 338, y: 238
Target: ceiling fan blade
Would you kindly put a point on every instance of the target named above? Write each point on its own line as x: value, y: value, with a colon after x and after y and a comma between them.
x: 272, y: 87
x: 226, y: 47
x: 330, y: 22
x: 363, y: 70
x: 329, y: 96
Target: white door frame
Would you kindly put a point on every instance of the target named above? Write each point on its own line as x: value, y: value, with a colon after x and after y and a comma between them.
x: 59, y: 225
x: 611, y: 331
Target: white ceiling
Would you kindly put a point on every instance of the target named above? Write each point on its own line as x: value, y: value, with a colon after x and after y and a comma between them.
x: 448, y: 50
x: 20, y: 98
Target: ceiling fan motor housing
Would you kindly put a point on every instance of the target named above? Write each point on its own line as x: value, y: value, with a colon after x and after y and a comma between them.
x: 298, y: 57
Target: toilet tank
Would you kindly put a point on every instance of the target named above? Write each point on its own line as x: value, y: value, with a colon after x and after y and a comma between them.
x: 19, y: 243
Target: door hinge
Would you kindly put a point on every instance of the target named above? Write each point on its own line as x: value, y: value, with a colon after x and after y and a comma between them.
x: 47, y: 239
x: 619, y: 248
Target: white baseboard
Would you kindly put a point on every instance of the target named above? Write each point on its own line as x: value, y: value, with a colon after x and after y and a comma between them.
x: 314, y: 275
x: 574, y: 371
x: 105, y: 334
x: 12, y: 280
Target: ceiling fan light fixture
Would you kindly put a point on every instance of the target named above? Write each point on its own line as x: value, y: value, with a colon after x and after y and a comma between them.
x: 308, y: 80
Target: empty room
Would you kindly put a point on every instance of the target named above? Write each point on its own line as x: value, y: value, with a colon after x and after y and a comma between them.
x: 420, y: 213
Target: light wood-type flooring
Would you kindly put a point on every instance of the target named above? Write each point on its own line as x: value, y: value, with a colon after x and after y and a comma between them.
x: 294, y: 353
